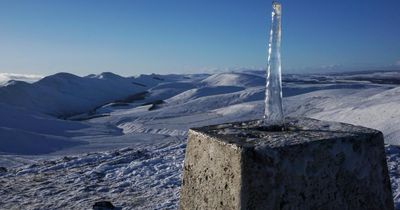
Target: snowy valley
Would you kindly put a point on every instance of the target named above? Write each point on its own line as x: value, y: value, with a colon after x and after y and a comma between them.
x: 68, y: 141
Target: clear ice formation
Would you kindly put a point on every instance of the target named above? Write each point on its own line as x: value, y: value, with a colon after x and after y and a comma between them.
x: 273, y: 114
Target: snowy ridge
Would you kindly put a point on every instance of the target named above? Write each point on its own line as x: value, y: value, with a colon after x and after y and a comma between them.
x: 66, y: 94
x: 234, y: 79
x: 9, y: 78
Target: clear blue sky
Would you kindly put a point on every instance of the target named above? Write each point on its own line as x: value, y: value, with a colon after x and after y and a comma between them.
x: 143, y: 36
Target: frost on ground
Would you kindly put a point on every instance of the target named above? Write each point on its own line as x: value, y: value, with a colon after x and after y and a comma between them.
x: 140, y: 178
x: 393, y: 160
x: 145, y: 178
x: 126, y: 144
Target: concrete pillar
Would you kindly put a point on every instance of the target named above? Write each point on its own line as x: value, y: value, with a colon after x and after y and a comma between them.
x: 312, y: 165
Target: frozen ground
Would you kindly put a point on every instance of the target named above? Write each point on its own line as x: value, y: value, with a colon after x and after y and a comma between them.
x: 123, y: 139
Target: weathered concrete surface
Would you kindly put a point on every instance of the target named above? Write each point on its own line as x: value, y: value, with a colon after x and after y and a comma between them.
x: 311, y: 165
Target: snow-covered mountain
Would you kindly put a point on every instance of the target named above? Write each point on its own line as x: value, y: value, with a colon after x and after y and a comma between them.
x: 9, y: 78
x: 123, y: 138
x: 65, y: 94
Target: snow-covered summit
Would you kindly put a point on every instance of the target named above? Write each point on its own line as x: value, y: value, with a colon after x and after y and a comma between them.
x: 106, y: 75
x: 234, y: 79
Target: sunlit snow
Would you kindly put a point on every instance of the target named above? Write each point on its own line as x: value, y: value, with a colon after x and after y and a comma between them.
x: 68, y: 141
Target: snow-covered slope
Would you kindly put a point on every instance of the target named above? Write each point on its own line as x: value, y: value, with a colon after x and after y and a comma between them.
x: 170, y: 104
x: 202, y: 92
x: 65, y: 94
x: 376, y: 108
x: 234, y: 79
x: 154, y: 125
x: 26, y: 132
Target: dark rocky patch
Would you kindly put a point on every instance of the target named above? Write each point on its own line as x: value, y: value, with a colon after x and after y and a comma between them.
x: 3, y: 170
x: 103, y: 205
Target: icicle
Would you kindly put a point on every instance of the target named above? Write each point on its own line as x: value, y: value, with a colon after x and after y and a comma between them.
x: 273, y: 114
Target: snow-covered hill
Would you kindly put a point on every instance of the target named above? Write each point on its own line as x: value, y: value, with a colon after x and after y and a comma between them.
x: 241, y: 79
x: 7, y: 78
x: 376, y: 108
x: 65, y: 94
x: 29, y: 133
x: 149, y: 116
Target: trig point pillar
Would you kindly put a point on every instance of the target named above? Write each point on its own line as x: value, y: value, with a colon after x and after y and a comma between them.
x: 311, y: 165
